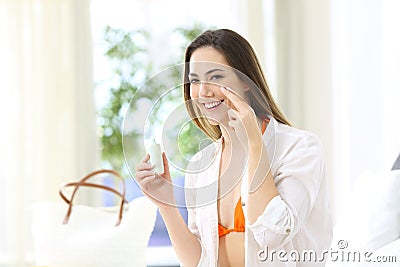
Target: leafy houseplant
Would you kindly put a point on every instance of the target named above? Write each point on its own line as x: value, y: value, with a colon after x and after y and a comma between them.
x: 127, y: 52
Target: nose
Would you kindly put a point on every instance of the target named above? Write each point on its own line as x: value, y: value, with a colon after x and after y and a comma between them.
x: 205, y: 90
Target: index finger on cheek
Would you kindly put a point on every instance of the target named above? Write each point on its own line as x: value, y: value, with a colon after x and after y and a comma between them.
x: 226, y: 90
x: 229, y: 94
x: 237, y: 101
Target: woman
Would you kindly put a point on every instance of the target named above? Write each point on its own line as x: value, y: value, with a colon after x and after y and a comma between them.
x: 259, y: 193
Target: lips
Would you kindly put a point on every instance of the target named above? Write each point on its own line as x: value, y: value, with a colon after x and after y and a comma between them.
x: 212, y: 105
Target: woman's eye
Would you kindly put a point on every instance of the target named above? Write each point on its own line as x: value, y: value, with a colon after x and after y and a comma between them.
x: 216, y: 77
x: 194, y: 81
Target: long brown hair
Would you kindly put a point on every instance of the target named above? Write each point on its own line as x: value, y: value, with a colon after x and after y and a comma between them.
x: 241, y: 57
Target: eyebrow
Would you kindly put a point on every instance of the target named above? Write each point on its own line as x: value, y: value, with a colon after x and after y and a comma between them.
x: 207, y: 73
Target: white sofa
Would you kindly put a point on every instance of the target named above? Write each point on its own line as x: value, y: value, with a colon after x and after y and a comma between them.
x: 367, y: 232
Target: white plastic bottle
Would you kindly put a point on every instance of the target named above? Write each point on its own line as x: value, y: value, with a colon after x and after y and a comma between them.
x: 156, y: 156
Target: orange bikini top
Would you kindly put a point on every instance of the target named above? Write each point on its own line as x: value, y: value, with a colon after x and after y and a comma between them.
x: 239, y: 222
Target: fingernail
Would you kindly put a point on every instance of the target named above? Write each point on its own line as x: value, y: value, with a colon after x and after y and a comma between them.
x: 223, y: 88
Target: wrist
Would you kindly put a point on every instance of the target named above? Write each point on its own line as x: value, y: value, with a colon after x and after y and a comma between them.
x: 255, y: 144
x: 165, y: 209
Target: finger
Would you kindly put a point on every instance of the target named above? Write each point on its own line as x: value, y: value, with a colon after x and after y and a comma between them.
x: 146, y: 181
x: 235, y: 124
x: 145, y: 158
x: 232, y: 114
x: 232, y: 124
x: 237, y: 101
x: 165, y: 163
x: 154, y: 180
x: 144, y: 166
x: 143, y: 174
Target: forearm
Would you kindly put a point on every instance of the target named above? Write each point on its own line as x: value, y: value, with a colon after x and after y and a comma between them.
x: 261, y: 184
x: 185, y: 243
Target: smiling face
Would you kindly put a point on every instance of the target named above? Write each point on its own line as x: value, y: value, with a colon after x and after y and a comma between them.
x: 208, y: 71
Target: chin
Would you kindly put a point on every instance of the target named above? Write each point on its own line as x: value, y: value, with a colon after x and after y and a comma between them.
x: 218, y: 120
x: 213, y: 122
x: 216, y: 117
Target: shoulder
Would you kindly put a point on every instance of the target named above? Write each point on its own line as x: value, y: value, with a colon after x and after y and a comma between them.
x: 299, y: 156
x: 291, y: 139
x: 290, y: 146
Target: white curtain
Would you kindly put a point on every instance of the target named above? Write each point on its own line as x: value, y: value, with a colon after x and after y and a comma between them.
x: 48, y: 130
x: 338, y: 66
x: 304, y: 69
x: 366, y: 69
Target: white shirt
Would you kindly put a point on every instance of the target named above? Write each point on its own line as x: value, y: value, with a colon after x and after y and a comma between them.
x: 296, y: 221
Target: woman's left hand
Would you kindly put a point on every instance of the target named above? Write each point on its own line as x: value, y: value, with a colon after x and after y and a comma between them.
x: 243, y: 120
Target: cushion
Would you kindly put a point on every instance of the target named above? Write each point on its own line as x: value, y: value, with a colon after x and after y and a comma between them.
x: 371, y: 216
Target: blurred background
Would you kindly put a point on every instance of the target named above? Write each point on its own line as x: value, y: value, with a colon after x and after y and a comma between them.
x: 68, y: 69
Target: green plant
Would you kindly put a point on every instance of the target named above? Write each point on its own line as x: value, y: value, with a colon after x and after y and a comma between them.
x: 127, y: 53
x: 125, y: 50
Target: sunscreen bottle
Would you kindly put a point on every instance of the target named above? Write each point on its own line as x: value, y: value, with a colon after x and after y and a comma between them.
x: 155, y: 156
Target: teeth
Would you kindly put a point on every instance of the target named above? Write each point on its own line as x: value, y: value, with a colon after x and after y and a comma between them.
x: 212, y: 104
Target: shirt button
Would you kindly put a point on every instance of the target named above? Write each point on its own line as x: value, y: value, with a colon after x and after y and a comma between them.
x: 243, y: 204
x: 287, y: 230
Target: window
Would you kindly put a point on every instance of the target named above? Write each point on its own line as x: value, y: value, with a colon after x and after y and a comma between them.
x: 164, y: 49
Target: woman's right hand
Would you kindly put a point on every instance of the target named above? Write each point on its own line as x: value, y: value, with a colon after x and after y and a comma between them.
x: 157, y: 186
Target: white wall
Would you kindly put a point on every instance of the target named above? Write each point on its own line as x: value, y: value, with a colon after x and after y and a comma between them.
x: 304, y: 69
x: 338, y: 69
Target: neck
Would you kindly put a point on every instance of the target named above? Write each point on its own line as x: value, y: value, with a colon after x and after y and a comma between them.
x: 229, y: 137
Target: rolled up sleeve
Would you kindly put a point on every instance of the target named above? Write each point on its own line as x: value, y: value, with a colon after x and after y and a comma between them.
x: 274, y: 225
x: 298, y: 179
